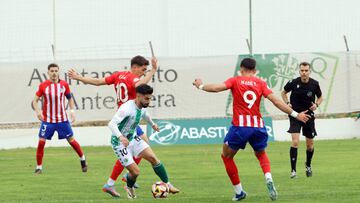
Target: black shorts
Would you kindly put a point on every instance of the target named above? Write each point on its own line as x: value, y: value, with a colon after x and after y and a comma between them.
x: 308, y: 128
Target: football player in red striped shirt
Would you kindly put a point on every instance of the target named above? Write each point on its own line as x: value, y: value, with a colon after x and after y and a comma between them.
x: 53, y: 116
x: 247, y: 123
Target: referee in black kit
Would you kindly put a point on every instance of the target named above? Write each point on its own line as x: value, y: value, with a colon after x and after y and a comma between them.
x: 303, y: 91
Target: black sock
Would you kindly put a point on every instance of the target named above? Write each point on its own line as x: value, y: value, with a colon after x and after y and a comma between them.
x: 293, y: 158
x: 309, y: 155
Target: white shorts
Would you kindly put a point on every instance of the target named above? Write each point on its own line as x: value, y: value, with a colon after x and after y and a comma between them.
x: 126, y: 154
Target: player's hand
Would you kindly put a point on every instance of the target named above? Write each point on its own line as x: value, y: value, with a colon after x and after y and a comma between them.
x: 156, y: 128
x: 72, y: 116
x: 197, y: 83
x: 73, y: 74
x: 40, y: 116
x: 303, y: 117
x: 124, y: 141
x: 313, y: 107
x: 154, y: 63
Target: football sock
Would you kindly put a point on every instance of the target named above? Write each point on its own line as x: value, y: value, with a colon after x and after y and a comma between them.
x: 268, y: 176
x: 117, y: 169
x: 82, y: 158
x: 238, y: 188
x: 264, y: 161
x: 231, y: 170
x: 110, y: 182
x: 40, y: 152
x: 161, y: 172
x: 75, y: 145
x: 130, y: 181
x: 293, y: 158
x: 309, y: 155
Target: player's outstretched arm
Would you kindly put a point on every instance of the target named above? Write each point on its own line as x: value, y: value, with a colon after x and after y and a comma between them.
x: 286, y: 109
x: 86, y: 80
x: 148, y: 76
x: 36, y: 108
x: 209, y: 87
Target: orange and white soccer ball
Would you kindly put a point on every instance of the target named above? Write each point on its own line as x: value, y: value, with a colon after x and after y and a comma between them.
x: 160, y: 190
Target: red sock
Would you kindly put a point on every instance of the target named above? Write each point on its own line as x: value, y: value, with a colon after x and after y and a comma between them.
x: 231, y: 170
x: 264, y: 161
x: 137, y: 160
x: 118, y: 168
x: 75, y: 145
x: 40, y: 152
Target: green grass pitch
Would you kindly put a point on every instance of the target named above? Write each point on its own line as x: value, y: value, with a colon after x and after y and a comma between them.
x: 196, y: 169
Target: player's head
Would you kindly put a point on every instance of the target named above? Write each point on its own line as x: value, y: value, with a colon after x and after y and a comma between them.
x: 144, y: 95
x: 304, y: 70
x: 53, y: 71
x: 248, y: 64
x: 139, y: 65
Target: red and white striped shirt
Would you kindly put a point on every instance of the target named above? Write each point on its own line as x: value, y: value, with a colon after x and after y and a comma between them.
x: 247, y: 93
x: 54, y: 100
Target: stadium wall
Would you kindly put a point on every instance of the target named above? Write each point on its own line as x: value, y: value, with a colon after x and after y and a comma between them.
x: 343, y: 128
x: 174, y: 95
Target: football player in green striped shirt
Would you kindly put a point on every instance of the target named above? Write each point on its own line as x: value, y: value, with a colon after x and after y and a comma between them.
x: 126, y: 145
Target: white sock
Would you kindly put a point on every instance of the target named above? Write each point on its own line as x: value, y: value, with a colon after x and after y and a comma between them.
x: 111, y: 182
x: 268, y: 176
x: 39, y: 167
x: 82, y: 158
x: 238, y: 188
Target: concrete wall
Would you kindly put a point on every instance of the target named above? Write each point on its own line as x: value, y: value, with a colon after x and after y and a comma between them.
x: 343, y: 128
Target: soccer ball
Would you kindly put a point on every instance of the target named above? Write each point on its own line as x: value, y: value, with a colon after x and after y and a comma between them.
x: 160, y: 190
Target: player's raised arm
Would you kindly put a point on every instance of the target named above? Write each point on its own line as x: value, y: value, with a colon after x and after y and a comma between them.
x: 286, y: 109
x: 209, y: 87
x: 86, y: 80
x: 149, y: 74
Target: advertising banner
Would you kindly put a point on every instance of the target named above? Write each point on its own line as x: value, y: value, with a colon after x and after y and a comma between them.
x: 195, y: 131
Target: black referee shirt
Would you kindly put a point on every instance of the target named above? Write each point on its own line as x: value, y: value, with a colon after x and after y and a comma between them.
x: 302, y: 94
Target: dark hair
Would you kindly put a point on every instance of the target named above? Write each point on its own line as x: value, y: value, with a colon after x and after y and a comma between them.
x: 304, y: 64
x: 139, y: 60
x: 248, y: 63
x: 52, y: 65
x: 144, y: 89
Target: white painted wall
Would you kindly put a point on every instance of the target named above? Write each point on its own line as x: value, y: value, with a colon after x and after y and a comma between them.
x: 343, y: 128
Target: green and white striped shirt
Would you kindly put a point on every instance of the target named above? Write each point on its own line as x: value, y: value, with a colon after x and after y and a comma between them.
x: 125, y: 121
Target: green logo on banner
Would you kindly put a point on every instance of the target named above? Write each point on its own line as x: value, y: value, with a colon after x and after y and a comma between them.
x: 278, y: 69
x: 195, y: 131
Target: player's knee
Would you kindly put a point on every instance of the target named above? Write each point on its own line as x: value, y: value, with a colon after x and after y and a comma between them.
x: 153, y: 160
x: 309, y: 146
x: 295, y: 143
x: 135, y: 172
x: 70, y: 139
